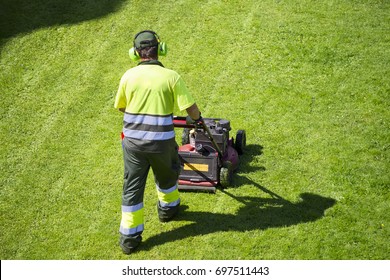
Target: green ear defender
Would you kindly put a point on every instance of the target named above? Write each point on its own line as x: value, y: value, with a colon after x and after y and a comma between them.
x: 134, y: 56
x: 144, y: 39
x: 162, y: 49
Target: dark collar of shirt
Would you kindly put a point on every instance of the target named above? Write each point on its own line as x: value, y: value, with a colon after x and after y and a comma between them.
x: 151, y: 62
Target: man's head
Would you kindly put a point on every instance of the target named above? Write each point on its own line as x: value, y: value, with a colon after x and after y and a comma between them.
x: 146, y: 38
x: 148, y: 53
x: 147, y: 45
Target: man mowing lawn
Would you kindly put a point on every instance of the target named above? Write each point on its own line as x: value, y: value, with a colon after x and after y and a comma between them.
x: 146, y: 95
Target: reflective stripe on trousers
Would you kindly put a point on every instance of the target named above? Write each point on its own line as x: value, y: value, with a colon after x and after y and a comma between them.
x: 168, y: 197
x: 132, y: 222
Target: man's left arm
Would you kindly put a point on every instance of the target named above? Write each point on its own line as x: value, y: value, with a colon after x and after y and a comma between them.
x: 120, y: 98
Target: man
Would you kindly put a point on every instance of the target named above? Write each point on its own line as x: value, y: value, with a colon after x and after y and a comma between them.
x: 146, y: 95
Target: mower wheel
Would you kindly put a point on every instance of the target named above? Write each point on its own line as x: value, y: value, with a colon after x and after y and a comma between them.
x: 240, y: 143
x: 185, y: 136
x: 226, y: 174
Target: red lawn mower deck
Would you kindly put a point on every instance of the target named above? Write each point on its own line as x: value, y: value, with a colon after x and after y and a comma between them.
x: 208, y: 156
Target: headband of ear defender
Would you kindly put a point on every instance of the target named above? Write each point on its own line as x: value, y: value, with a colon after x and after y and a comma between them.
x: 145, y: 39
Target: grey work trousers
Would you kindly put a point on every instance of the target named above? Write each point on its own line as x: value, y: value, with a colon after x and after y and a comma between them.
x: 166, y: 167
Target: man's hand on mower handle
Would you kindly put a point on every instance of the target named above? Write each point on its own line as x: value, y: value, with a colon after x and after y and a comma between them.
x: 197, y: 123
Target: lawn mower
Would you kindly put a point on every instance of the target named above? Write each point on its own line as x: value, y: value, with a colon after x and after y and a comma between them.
x: 208, y: 156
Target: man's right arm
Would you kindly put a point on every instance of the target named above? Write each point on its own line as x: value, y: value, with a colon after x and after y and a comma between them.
x: 193, y: 112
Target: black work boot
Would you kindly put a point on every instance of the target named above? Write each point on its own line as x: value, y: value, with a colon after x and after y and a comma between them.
x: 129, y: 243
x: 166, y: 214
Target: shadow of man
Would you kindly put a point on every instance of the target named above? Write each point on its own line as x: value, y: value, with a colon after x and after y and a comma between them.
x: 255, y: 214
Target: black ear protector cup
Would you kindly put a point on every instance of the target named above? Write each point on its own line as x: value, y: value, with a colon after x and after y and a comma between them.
x: 162, y: 47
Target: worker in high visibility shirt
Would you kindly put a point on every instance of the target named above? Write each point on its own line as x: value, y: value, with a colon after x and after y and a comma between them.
x: 146, y: 95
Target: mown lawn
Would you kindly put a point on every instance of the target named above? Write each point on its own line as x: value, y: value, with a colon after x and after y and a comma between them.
x: 307, y: 80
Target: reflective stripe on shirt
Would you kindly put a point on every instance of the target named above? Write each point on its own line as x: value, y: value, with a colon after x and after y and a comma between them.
x: 148, y: 127
x: 147, y: 119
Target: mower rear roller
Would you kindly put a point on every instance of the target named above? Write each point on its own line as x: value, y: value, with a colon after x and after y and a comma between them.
x: 226, y: 174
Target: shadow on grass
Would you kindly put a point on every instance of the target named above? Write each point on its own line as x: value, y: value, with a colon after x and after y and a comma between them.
x: 256, y: 213
x: 251, y: 154
x: 22, y: 16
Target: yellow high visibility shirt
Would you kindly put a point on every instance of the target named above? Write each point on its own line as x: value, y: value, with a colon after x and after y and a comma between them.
x: 151, y: 89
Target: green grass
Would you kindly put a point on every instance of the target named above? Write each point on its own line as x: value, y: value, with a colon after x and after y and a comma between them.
x: 307, y: 80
